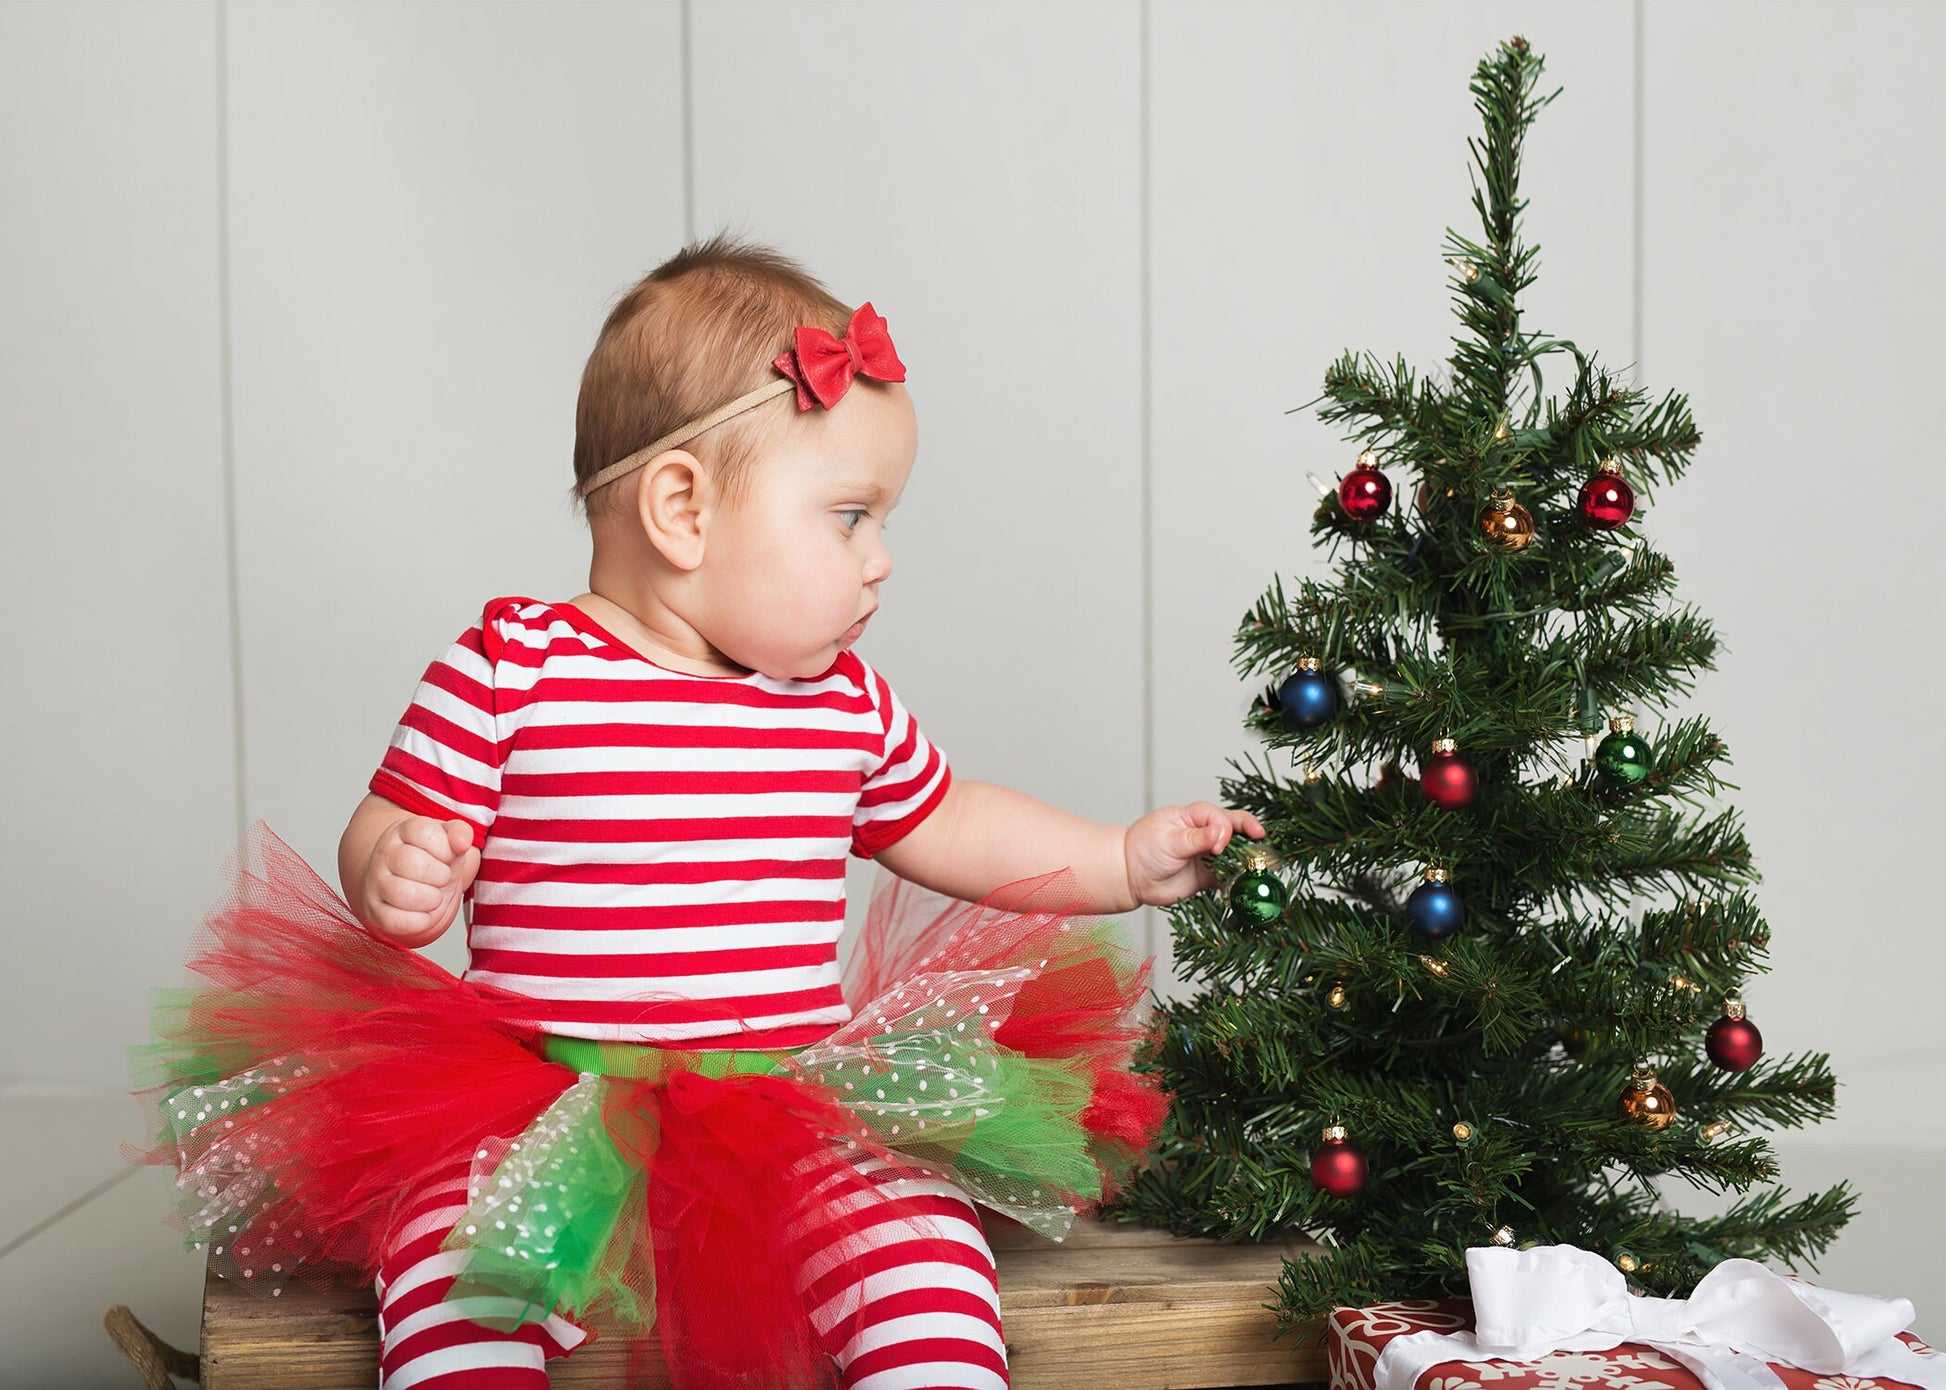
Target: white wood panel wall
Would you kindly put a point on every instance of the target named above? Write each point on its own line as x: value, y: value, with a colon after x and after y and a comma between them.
x: 430, y: 207
x: 1792, y: 212
x: 119, y: 771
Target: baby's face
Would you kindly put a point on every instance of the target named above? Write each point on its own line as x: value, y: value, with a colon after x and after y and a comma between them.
x: 792, y: 570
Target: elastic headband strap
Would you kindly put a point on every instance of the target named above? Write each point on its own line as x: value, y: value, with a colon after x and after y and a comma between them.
x: 749, y: 400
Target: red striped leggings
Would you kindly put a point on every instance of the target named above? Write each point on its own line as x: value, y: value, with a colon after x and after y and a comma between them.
x: 928, y: 1324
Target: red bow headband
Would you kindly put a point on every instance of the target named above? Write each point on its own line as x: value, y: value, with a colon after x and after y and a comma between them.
x: 818, y: 366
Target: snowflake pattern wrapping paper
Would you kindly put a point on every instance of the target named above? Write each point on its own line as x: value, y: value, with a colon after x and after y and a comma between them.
x: 1358, y: 1335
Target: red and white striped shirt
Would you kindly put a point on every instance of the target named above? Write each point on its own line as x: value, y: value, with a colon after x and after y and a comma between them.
x: 662, y: 856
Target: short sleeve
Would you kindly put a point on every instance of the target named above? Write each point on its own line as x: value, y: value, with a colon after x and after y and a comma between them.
x: 445, y: 755
x: 908, y: 781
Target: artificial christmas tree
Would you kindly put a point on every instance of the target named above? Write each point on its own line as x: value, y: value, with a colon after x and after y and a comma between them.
x: 1465, y: 1004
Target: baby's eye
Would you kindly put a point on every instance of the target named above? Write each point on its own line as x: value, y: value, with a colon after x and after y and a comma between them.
x: 852, y: 517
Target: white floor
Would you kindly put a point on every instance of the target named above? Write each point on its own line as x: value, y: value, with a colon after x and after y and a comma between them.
x: 79, y: 1231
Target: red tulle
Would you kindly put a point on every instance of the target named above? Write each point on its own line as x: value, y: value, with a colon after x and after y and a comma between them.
x: 723, y: 1228
x: 359, y: 1073
x: 382, y: 1073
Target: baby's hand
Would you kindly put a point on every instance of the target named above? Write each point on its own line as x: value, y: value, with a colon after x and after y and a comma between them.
x: 417, y: 876
x: 1165, y: 849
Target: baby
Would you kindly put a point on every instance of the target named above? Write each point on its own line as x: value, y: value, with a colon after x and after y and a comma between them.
x: 644, y: 796
x: 749, y: 551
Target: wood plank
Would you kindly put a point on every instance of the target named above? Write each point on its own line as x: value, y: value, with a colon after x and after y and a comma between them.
x: 1124, y: 1305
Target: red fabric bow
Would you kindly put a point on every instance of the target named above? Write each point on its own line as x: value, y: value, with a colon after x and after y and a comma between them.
x: 822, y: 366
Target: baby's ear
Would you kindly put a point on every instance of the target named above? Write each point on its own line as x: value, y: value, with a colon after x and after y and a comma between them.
x: 669, y: 497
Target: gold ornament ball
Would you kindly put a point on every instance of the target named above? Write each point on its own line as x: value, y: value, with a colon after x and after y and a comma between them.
x: 1506, y: 523
x: 1646, y: 1101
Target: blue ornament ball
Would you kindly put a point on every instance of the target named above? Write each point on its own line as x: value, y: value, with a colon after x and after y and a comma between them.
x: 1308, y: 699
x: 1434, y: 909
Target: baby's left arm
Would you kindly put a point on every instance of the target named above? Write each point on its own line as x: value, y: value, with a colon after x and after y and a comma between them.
x: 982, y: 836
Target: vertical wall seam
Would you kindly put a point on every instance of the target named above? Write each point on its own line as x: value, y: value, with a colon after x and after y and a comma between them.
x: 1144, y: 253
x: 1639, y: 267
x: 688, y: 131
x: 226, y: 396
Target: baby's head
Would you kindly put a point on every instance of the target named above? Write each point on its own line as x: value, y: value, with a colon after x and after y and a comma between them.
x: 735, y: 493
x: 698, y: 331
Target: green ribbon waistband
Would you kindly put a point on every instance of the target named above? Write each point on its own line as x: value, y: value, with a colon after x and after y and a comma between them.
x: 651, y: 1061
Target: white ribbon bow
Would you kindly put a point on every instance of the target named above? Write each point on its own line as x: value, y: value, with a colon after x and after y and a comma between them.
x: 1527, y: 1303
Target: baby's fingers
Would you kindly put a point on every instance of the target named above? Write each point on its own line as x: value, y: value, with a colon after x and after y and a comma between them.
x: 410, y: 894
x: 1209, y: 828
x: 468, y: 866
x: 431, y: 836
x: 409, y: 862
x: 459, y: 838
x: 1182, y: 844
x: 402, y: 924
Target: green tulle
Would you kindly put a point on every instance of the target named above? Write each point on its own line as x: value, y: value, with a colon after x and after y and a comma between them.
x: 183, y: 1056
x: 558, y: 1224
x: 178, y: 1052
x: 1012, y: 1138
x: 553, y: 1225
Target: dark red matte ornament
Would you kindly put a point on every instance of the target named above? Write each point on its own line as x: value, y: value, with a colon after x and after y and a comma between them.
x: 1447, y: 779
x: 1733, y: 1042
x: 1336, y: 1167
x: 822, y: 366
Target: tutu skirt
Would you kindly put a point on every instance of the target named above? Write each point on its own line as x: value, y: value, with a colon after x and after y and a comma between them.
x: 313, y: 1077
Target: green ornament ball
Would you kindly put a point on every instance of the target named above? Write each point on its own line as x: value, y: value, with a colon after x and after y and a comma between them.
x: 1258, y: 897
x: 1581, y: 1043
x: 1624, y: 757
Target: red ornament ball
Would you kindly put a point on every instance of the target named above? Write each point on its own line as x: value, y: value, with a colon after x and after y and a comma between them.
x: 1447, y: 779
x: 1734, y: 1044
x: 1336, y: 1167
x: 1365, y: 492
x: 1607, y: 501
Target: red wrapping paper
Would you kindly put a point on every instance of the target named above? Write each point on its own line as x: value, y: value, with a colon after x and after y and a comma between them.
x: 1358, y: 1335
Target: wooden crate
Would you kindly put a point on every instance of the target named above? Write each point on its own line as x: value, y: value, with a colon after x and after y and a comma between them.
x: 1112, y: 1306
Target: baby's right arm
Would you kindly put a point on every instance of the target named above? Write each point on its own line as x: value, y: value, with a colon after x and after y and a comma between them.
x: 405, y: 875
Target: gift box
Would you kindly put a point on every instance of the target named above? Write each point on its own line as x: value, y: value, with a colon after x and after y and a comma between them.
x: 1358, y: 1335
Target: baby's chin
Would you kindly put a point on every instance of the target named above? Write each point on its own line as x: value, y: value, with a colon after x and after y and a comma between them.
x: 804, y: 667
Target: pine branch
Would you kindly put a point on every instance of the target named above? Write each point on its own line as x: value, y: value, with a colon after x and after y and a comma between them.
x: 1661, y: 444
x: 1647, y: 660
x: 1713, y: 942
x: 1783, y: 1092
x: 1385, y: 402
x: 1768, y: 1225
x: 1672, y: 853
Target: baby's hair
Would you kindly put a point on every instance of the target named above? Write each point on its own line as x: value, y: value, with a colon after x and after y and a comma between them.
x: 695, y: 333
